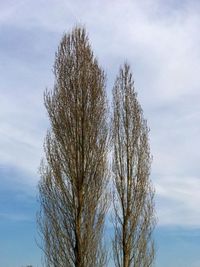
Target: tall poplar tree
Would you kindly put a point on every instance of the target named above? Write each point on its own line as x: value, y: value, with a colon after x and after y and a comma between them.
x: 133, y: 200
x: 72, y: 189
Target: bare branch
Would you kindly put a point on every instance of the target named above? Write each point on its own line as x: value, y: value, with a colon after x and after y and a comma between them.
x: 73, y: 181
x: 133, y: 201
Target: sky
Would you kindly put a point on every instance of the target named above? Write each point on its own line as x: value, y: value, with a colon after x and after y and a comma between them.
x: 161, y: 42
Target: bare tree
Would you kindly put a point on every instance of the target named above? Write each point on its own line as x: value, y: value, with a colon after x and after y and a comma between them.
x: 73, y: 181
x: 133, y: 198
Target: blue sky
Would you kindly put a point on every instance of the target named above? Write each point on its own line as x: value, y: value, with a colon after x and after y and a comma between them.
x: 161, y: 41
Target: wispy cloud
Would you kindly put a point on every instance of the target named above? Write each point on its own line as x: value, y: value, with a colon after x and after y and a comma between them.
x: 160, y: 39
x: 14, y: 217
x: 177, y: 201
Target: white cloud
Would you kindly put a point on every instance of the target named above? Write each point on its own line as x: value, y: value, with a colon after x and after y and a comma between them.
x: 22, y: 132
x: 161, y: 42
x: 178, y: 199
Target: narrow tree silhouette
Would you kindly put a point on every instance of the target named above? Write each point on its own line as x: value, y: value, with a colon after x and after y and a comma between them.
x: 72, y: 189
x: 133, y: 199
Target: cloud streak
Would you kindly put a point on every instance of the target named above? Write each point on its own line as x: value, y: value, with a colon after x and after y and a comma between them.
x: 160, y: 41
